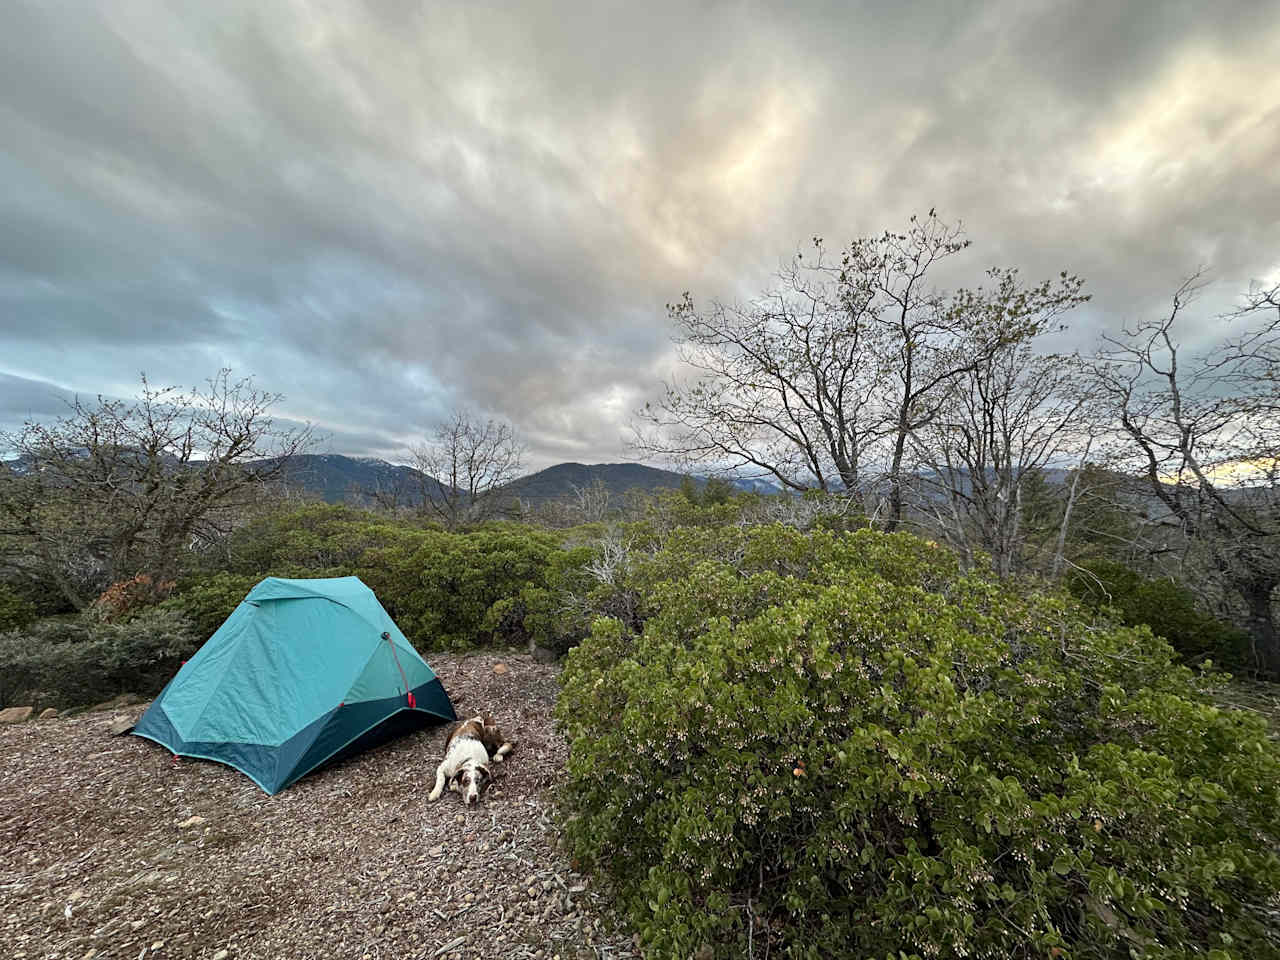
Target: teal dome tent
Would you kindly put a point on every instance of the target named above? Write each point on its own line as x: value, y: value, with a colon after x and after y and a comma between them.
x: 301, y: 671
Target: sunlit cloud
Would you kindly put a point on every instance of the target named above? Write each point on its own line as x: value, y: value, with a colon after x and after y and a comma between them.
x: 386, y: 211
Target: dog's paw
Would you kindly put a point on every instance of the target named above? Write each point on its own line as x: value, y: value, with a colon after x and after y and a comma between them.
x: 434, y: 795
x: 497, y: 758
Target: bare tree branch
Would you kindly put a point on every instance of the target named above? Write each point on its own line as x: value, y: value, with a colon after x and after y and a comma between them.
x: 821, y: 382
x: 119, y: 487
x: 465, y: 465
x: 1205, y: 433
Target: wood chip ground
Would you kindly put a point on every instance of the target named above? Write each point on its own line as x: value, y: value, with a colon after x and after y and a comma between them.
x: 109, y: 849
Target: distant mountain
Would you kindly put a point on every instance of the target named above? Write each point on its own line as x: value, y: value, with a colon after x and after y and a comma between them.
x: 558, y: 482
x: 339, y: 479
x: 331, y: 476
x: 756, y: 485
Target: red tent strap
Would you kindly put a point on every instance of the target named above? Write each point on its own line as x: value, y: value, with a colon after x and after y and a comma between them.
x: 396, y: 657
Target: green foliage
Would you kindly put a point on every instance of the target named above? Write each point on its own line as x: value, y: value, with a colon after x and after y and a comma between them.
x: 450, y: 591
x: 445, y: 590
x: 711, y: 492
x: 717, y: 491
x: 72, y: 662
x: 314, y: 537
x: 15, y: 611
x: 1168, y: 608
x: 552, y: 611
x: 843, y: 746
x: 665, y: 510
x: 207, y: 601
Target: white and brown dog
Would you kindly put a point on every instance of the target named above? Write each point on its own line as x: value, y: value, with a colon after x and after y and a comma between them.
x: 470, y: 747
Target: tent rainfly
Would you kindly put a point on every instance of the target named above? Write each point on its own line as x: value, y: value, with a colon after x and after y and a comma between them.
x: 302, y: 670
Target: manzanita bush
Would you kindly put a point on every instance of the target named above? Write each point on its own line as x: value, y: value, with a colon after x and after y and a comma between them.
x: 842, y: 746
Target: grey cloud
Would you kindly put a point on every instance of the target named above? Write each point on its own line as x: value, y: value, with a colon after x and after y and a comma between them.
x: 388, y: 210
x: 25, y: 399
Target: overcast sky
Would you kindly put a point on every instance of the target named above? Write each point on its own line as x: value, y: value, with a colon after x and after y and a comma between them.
x: 388, y: 210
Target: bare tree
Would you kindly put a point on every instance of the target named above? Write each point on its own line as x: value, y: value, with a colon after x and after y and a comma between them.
x: 930, y: 339
x: 1064, y: 524
x: 887, y: 276
x: 121, y: 487
x: 465, y: 465
x: 785, y: 384
x: 805, y: 512
x: 1000, y: 425
x: 1205, y: 433
x: 399, y: 493
x: 825, y: 379
x: 591, y: 502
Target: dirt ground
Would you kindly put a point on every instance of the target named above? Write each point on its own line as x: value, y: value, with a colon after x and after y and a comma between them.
x: 110, y: 849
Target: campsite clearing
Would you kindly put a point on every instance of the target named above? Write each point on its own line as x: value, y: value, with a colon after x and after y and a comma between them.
x: 108, y: 845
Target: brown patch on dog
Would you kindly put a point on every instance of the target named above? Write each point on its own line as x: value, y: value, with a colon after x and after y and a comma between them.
x: 483, y: 728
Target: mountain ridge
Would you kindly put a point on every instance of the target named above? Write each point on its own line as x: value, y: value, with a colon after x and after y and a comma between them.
x: 340, y: 478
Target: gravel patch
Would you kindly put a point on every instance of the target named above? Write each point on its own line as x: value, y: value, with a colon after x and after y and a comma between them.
x: 109, y: 849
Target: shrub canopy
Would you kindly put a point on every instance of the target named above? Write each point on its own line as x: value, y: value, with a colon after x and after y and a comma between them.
x: 446, y: 590
x: 841, y: 745
x: 71, y: 662
x: 1168, y: 608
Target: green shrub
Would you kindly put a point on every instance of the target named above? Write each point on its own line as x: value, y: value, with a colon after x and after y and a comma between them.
x: 651, y: 558
x: 841, y: 746
x: 313, y: 538
x: 453, y: 591
x: 73, y: 662
x: 501, y: 584
x: 1168, y: 608
x: 15, y: 611
x: 665, y: 510
x: 556, y: 612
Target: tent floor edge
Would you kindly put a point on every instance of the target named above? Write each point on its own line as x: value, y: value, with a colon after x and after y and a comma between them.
x: 251, y: 759
x: 193, y: 755
x: 356, y: 727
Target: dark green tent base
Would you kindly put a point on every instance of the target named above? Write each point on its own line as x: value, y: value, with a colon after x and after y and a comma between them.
x: 341, y: 732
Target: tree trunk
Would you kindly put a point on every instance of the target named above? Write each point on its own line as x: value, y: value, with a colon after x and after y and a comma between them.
x: 895, y: 476
x: 1060, y: 549
x: 121, y: 564
x: 68, y: 590
x: 1261, y: 624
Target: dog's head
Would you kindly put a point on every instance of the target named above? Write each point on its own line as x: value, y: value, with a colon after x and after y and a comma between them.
x: 472, y: 780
